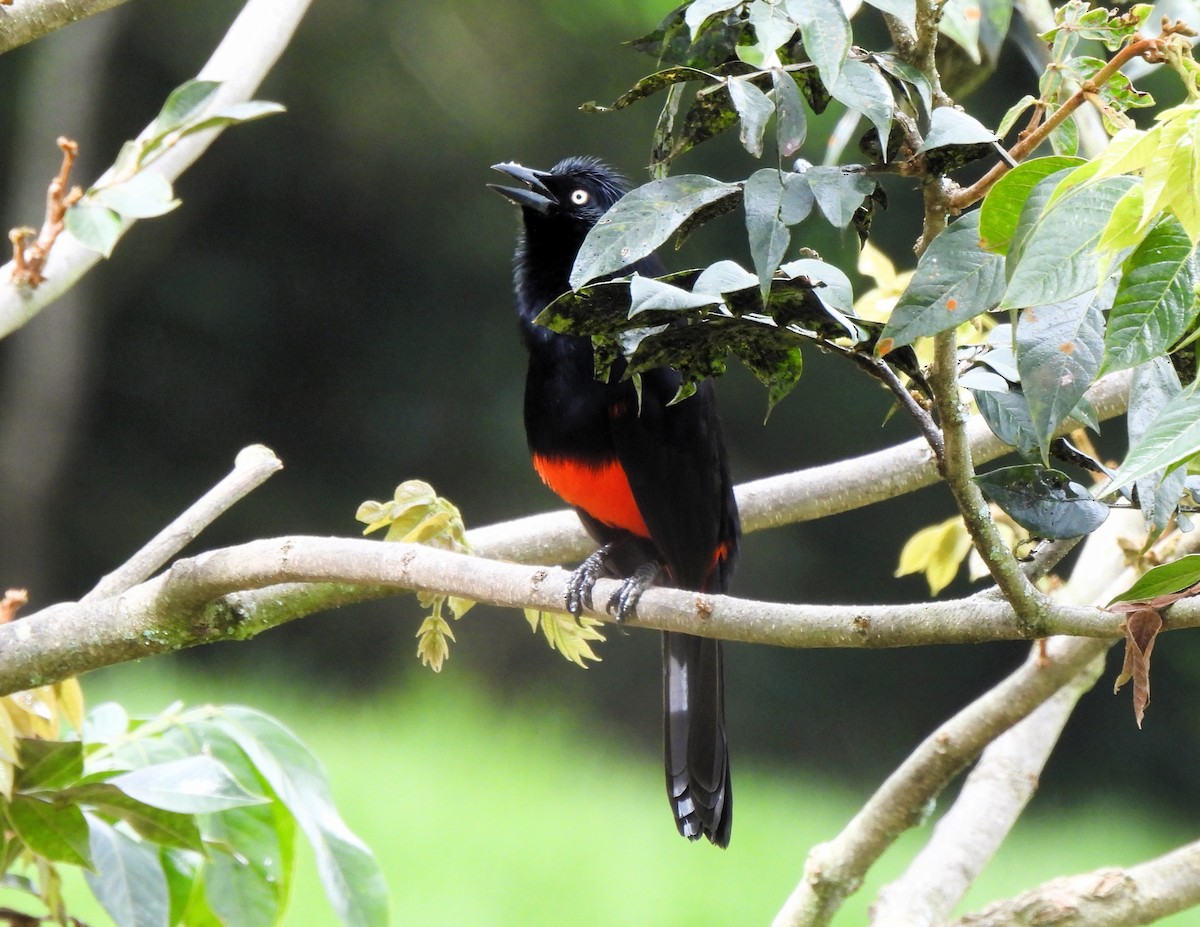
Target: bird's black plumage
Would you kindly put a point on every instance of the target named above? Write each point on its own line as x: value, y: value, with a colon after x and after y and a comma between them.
x: 650, y: 483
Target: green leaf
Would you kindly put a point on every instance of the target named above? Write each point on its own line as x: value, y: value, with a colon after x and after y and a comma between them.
x: 1170, y: 440
x: 1043, y: 501
x: 1004, y: 205
x: 650, y: 85
x: 763, y: 201
x: 1058, y: 260
x: 192, y: 785
x: 48, y: 764
x: 95, y: 227
x: 347, y: 869
x: 1154, y: 384
x: 143, y: 196
x: 830, y: 284
x: 647, y: 294
x: 128, y: 879
x: 838, y: 191
x: 642, y: 220
x: 1059, y: 349
x: 955, y: 281
x: 673, y: 41
x: 825, y: 34
x: 1007, y: 415
x: 950, y: 126
x: 166, y: 828
x: 700, y: 11
x: 960, y: 22
x: 1009, y: 120
x: 903, y: 10
x: 601, y: 308
x: 861, y: 87
x: 55, y: 831
x: 724, y: 277
x: 249, y: 885
x: 905, y: 73
x: 185, y: 103
x: 772, y: 28
x: 1156, y: 298
x: 1064, y: 139
x: 791, y: 127
x: 1165, y: 579
x: 753, y: 109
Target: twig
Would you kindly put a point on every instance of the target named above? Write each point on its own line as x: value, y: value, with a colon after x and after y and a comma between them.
x: 884, y: 373
x: 1109, y: 897
x: 1037, y: 132
x: 29, y: 261
x: 992, y: 798
x: 253, y: 466
x: 834, y: 870
x: 246, y: 54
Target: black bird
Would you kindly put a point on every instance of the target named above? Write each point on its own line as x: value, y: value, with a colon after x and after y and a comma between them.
x: 651, y: 485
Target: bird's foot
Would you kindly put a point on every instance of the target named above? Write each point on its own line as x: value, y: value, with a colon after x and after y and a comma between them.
x: 623, y: 604
x: 583, y: 580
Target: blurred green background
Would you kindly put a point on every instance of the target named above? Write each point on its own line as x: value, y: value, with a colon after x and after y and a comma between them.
x: 337, y: 286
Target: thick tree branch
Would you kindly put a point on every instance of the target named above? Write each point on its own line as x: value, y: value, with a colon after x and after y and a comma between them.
x: 992, y: 798
x: 835, y: 870
x: 1109, y: 897
x: 250, y: 48
x: 27, y: 20
x: 238, y: 592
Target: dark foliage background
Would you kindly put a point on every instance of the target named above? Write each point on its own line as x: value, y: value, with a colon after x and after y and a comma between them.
x: 336, y: 285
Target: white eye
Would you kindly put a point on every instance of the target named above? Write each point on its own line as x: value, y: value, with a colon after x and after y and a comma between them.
x: 579, y: 197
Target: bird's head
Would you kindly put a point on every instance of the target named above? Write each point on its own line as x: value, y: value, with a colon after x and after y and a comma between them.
x: 566, y: 200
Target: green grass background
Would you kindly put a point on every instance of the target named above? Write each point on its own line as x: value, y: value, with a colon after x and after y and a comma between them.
x: 484, y: 812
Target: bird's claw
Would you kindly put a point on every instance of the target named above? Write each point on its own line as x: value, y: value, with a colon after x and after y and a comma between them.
x: 583, y: 580
x: 623, y: 603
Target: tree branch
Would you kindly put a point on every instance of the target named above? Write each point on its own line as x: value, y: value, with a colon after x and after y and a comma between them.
x: 27, y: 20
x: 834, y: 870
x: 1108, y: 897
x: 250, y: 48
x: 252, y: 467
x: 992, y: 798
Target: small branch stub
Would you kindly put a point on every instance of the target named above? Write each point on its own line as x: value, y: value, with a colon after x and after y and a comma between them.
x: 29, y: 261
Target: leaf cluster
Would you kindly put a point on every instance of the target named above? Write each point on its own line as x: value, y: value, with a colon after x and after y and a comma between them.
x: 130, y: 190
x: 189, y: 817
x: 416, y: 514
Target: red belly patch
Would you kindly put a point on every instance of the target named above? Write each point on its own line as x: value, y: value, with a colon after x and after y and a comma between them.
x: 601, y: 489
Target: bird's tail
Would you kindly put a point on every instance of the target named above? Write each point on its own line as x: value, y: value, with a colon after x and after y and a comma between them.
x: 696, y: 746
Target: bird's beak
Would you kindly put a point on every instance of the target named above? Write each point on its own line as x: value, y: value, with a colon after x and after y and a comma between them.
x: 537, y: 197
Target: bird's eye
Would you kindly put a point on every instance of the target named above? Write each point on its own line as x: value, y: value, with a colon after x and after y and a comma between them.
x: 579, y: 197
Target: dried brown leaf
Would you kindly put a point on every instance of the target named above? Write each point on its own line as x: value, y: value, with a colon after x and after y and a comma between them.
x: 1141, y: 631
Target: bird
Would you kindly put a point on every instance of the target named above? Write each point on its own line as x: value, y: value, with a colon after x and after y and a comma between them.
x: 648, y: 478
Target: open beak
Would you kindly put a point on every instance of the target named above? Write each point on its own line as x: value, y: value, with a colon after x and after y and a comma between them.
x: 537, y: 197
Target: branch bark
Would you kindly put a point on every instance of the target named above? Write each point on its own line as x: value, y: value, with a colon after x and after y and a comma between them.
x: 246, y: 54
x: 27, y: 20
x: 834, y: 870
x: 1108, y: 897
x: 992, y: 798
